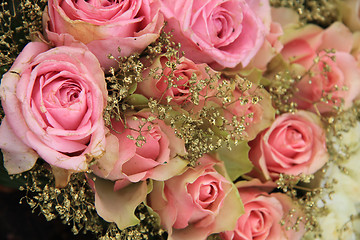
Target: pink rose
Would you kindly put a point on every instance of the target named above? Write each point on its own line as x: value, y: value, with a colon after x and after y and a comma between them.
x: 220, y: 33
x: 156, y: 85
x: 293, y: 144
x: 197, y: 203
x: 323, y: 90
x: 263, y: 213
x: 141, y: 150
x: 104, y: 26
x: 53, y: 101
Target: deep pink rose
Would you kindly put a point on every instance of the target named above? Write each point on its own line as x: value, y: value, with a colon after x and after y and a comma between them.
x: 156, y: 154
x: 197, y: 203
x: 53, y: 102
x: 294, y: 144
x: 104, y: 26
x: 322, y: 90
x: 263, y: 213
x: 183, y: 83
x: 220, y: 33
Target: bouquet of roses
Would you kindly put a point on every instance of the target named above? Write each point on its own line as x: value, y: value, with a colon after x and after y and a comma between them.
x: 160, y: 119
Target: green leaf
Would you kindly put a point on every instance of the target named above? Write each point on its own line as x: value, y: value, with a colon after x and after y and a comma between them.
x: 236, y: 161
x: 132, y: 88
x: 137, y: 100
x: 119, y: 206
x: 254, y: 75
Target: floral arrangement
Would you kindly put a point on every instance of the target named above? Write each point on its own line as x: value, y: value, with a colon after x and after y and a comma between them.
x: 160, y: 119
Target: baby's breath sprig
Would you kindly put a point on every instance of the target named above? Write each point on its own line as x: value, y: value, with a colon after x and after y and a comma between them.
x: 19, y: 19
x: 336, y: 126
x: 320, y: 12
x: 282, y: 86
x: 147, y: 229
x: 306, y: 195
x: 123, y: 80
x: 74, y: 204
x: 203, y: 127
x: 163, y: 45
x: 282, y: 91
x: 121, y: 84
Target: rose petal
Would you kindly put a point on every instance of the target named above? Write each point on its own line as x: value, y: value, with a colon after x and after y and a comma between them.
x: 18, y: 157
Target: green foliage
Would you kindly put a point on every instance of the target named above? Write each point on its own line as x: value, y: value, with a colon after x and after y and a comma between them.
x: 236, y: 160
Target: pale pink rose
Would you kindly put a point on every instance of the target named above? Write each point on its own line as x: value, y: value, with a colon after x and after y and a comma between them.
x: 197, y: 203
x: 294, y: 144
x: 53, y: 102
x: 349, y: 10
x: 263, y: 213
x: 220, y: 33
x: 270, y: 48
x: 104, y: 26
x: 156, y: 155
x: 302, y: 46
x: 273, y: 31
x: 257, y: 115
x: 156, y: 85
x: 355, y: 50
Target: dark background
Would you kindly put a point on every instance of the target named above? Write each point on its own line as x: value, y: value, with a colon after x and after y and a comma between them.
x: 17, y: 222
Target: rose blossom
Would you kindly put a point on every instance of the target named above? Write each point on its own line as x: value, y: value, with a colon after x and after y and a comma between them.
x: 323, y: 89
x: 219, y: 33
x: 104, y: 26
x: 197, y: 203
x: 263, y: 213
x: 293, y: 144
x: 53, y: 101
x: 157, y: 87
x: 140, y: 150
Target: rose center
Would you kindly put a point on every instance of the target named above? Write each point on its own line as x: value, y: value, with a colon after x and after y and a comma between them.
x: 257, y: 223
x: 219, y: 22
x: 102, y: 3
x: 206, y: 192
x: 68, y: 94
x: 294, y: 138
